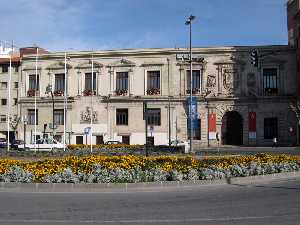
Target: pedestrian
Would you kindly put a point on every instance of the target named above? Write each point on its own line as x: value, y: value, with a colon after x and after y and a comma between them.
x: 275, y: 142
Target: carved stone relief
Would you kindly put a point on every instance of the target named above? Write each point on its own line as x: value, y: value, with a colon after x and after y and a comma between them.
x: 210, y: 86
x: 85, y: 116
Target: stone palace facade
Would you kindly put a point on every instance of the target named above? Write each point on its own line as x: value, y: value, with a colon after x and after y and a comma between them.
x: 237, y: 103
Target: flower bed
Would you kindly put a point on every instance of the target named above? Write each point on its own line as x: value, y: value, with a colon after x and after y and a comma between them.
x: 105, y: 169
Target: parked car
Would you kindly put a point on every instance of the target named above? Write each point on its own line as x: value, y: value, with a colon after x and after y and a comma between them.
x: 43, y: 144
x: 15, y: 143
x: 112, y: 142
x: 186, y: 144
x: 3, y: 143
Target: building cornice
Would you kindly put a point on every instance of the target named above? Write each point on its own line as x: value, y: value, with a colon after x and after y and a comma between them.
x: 157, y: 51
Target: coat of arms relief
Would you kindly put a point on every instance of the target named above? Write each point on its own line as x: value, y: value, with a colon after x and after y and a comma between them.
x: 230, y: 76
x: 85, y: 116
x: 211, y: 82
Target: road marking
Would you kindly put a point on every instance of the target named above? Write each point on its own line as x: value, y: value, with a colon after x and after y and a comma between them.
x: 139, y: 221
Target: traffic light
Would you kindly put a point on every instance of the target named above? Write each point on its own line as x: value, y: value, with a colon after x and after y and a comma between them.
x: 254, y: 58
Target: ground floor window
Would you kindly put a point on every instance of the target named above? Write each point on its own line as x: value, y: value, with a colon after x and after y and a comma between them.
x: 122, y: 116
x: 99, y: 140
x: 126, y: 139
x: 270, y: 128
x: 153, y: 117
x: 79, y: 140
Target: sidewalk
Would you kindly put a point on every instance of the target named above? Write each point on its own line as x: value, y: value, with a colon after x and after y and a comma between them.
x: 151, y: 186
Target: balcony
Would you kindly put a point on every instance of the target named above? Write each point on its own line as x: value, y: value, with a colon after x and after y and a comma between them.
x: 32, y: 93
x: 121, y: 92
x: 58, y: 93
x: 89, y: 92
x: 195, y: 91
x: 271, y: 92
x: 153, y: 91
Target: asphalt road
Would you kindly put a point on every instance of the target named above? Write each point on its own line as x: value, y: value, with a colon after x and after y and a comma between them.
x: 235, y: 150
x: 272, y: 203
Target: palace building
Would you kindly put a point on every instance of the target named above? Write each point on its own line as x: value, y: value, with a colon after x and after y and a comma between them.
x: 239, y: 103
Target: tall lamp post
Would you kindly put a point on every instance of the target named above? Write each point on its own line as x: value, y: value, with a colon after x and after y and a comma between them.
x: 189, y: 23
x: 49, y: 91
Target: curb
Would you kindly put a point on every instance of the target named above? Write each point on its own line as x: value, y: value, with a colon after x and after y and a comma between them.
x: 124, y: 187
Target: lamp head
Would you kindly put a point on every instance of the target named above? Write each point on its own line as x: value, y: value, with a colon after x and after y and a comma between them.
x: 190, y: 19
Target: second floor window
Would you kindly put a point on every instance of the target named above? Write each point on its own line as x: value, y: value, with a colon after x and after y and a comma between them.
x: 2, y: 118
x: 153, y: 82
x: 270, y: 83
x: 59, y: 82
x: 31, y: 116
x: 195, y: 81
x: 122, y: 116
x: 121, y: 81
x: 59, y: 116
x: 153, y: 117
x: 3, y: 85
x: 88, y: 81
x: 5, y: 68
x: 34, y: 83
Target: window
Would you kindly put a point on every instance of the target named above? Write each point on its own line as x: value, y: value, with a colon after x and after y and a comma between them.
x: 153, y: 82
x: 153, y: 117
x: 122, y: 116
x: 2, y: 118
x: 58, y: 138
x: 16, y: 85
x: 126, y: 139
x: 59, y: 116
x: 79, y: 140
x: 3, y: 85
x: 16, y: 69
x: 99, y: 140
x: 270, y: 128
x: 31, y: 116
x: 270, y: 83
x: 88, y: 81
x: 3, y: 101
x: 122, y: 81
x: 195, y: 81
x: 5, y: 68
x: 59, y: 82
x: 15, y: 101
x: 34, y: 83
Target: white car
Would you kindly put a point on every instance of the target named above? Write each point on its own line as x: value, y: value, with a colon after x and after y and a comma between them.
x: 186, y: 144
x: 44, y: 144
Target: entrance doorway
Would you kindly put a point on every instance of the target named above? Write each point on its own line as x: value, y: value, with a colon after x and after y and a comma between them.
x: 232, y: 128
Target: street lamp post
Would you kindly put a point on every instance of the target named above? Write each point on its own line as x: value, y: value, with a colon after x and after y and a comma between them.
x: 49, y: 90
x: 189, y: 23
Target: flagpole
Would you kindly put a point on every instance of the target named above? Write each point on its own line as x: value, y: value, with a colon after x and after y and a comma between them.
x: 92, y: 104
x: 65, y: 97
x: 9, y: 99
x: 36, y: 89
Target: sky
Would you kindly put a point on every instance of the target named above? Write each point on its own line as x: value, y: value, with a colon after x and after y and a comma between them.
x: 60, y: 25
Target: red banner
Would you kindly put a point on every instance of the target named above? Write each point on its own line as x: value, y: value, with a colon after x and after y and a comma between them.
x: 252, y: 121
x: 212, y: 127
